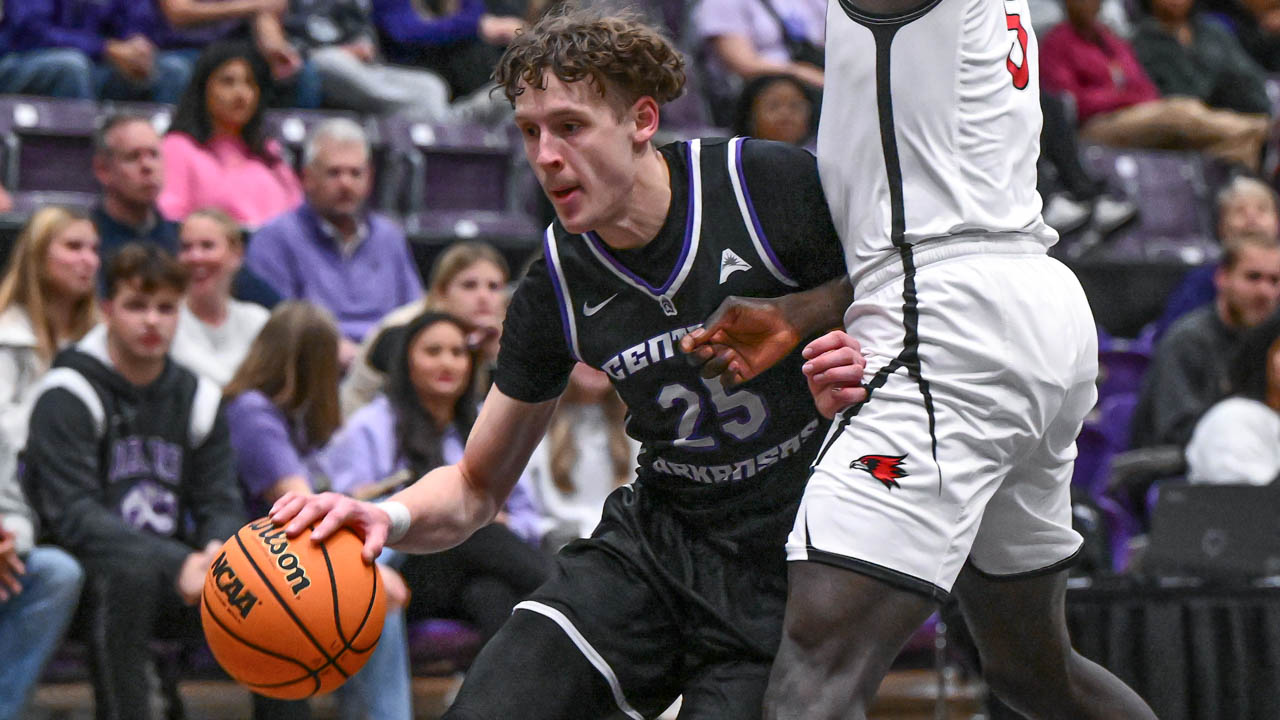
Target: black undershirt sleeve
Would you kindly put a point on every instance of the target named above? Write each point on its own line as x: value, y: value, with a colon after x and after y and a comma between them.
x: 534, y: 361
x: 787, y: 195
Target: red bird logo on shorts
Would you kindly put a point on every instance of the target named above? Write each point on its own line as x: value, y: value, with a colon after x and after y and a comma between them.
x: 885, y: 468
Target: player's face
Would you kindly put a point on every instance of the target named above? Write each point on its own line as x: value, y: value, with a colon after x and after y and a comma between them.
x: 140, y: 324
x: 439, y: 365
x: 1251, y: 289
x: 583, y: 150
x: 209, y: 255
x: 477, y: 294
x: 71, y: 262
x: 1251, y: 211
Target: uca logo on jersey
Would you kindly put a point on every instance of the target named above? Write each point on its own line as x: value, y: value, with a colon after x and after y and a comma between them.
x: 885, y: 468
x: 730, y: 263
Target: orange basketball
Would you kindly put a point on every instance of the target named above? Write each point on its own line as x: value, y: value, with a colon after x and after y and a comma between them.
x: 289, y: 618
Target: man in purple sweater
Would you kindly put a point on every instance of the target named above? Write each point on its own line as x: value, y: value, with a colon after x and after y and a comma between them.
x: 332, y: 250
x: 85, y: 49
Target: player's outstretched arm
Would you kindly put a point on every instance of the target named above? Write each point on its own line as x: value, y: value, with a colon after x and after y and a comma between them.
x: 447, y: 504
x: 833, y: 369
x: 746, y: 336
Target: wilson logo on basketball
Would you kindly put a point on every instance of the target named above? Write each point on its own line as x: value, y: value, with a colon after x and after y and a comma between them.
x: 224, y: 578
x: 277, y: 544
x: 885, y: 468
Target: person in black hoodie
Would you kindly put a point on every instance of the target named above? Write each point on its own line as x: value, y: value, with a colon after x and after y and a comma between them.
x: 130, y: 468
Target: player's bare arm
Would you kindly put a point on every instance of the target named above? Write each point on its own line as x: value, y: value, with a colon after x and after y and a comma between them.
x: 447, y: 504
x: 746, y: 336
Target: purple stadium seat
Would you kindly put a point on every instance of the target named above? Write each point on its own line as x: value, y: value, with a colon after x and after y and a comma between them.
x: 1115, y: 412
x: 1120, y: 372
x: 1093, y: 460
x: 452, y: 167
x: 441, y: 647
x: 1174, y: 200
x: 48, y: 144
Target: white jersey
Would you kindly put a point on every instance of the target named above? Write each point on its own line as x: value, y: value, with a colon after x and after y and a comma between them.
x: 930, y: 127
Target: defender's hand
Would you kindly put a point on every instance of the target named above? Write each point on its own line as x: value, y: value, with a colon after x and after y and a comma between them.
x: 297, y: 511
x: 833, y: 369
x: 742, y: 338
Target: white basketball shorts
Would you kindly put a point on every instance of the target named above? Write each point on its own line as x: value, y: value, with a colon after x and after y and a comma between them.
x: 971, y: 461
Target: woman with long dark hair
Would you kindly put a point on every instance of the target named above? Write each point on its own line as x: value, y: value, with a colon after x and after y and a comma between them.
x: 421, y: 423
x: 216, y: 153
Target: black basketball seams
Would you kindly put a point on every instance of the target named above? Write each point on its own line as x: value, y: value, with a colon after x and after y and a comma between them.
x: 285, y: 606
x: 308, y: 672
x: 333, y: 583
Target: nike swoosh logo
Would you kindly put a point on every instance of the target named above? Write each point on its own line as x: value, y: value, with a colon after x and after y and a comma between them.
x: 590, y: 310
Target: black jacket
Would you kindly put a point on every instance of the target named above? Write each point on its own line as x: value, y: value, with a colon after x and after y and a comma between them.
x: 118, y: 472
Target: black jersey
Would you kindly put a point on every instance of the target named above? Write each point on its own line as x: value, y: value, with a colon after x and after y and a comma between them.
x: 747, y: 218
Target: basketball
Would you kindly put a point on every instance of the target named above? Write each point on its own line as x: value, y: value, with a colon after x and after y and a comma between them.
x: 289, y: 618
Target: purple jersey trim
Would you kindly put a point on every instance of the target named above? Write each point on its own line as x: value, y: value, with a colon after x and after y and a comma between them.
x: 603, y: 249
x: 755, y: 220
x: 553, y: 270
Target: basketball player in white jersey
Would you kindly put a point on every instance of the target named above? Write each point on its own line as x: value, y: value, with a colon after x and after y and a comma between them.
x: 981, y: 353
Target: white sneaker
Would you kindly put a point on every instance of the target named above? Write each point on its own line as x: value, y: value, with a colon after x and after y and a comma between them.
x: 1112, y: 213
x: 1066, y: 215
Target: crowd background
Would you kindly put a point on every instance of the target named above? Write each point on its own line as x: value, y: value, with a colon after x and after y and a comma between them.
x: 254, y: 246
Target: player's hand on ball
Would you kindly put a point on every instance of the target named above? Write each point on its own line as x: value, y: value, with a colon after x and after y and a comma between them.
x: 742, y: 338
x: 298, y: 511
x: 833, y: 368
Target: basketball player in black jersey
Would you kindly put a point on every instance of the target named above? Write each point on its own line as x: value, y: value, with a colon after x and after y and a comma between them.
x: 680, y: 590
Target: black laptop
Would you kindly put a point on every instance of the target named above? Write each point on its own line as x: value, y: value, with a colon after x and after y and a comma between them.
x: 1224, y: 532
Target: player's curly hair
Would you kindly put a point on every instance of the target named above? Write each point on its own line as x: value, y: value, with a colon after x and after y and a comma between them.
x: 617, y: 50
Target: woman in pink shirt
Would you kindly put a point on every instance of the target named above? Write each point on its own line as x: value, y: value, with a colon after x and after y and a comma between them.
x: 215, y: 154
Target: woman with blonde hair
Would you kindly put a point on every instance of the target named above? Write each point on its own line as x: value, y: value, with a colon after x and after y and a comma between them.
x: 282, y: 407
x: 584, y: 456
x: 214, y: 329
x: 468, y: 281
x: 46, y: 302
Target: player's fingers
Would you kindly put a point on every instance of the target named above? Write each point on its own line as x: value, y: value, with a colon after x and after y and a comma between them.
x: 719, y: 363
x: 699, y: 355
x: 843, y: 376
x: 286, y: 506
x: 333, y: 520
x: 837, y: 358
x: 832, y: 401
x: 375, y: 538
x: 312, y: 509
x: 831, y: 341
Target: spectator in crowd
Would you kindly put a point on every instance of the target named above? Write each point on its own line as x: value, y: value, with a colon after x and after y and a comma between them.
x: 585, y: 455
x: 214, y: 329
x: 457, y: 39
x: 1117, y: 104
x: 1189, y: 370
x: 777, y: 107
x: 129, y: 467
x: 127, y: 164
x: 744, y: 39
x: 216, y: 153
x: 1245, y: 206
x: 85, y: 49
x: 282, y: 406
x: 468, y: 281
x: 1073, y: 198
x: 333, y: 250
x: 6, y: 200
x: 46, y: 302
x: 1238, y: 439
x: 39, y: 592
x: 1187, y: 54
x: 1256, y: 23
x: 420, y: 424
x: 341, y: 42
x: 190, y: 24
x: 1045, y: 14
